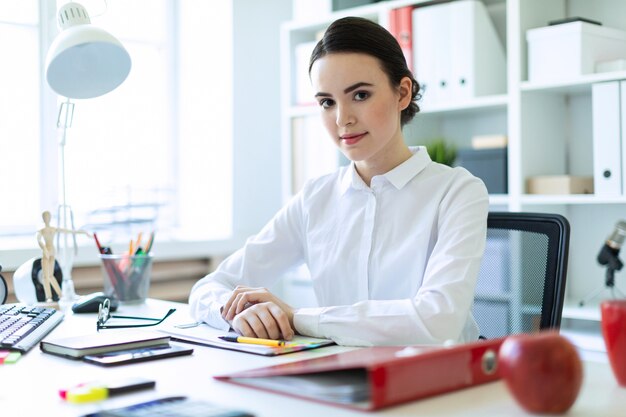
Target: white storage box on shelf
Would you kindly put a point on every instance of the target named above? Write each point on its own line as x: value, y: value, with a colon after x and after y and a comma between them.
x: 304, y: 10
x: 569, y: 50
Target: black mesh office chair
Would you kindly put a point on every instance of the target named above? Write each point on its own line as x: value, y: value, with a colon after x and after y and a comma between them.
x: 521, y: 283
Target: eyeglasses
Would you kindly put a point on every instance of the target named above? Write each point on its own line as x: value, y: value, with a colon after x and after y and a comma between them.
x: 104, y: 314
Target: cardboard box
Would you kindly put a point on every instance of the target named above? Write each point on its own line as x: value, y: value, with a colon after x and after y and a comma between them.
x: 489, y: 141
x: 571, y: 49
x: 559, y: 184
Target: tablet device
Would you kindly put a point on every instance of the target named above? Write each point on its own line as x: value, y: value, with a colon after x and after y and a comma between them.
x: 138, y: 355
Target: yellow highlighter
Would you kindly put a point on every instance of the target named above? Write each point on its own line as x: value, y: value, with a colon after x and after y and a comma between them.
x: 86, y: 394
x: 97, y: 390
x: 253, y: 341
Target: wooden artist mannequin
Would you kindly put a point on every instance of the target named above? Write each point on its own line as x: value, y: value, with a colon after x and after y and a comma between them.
x: 45, y: 239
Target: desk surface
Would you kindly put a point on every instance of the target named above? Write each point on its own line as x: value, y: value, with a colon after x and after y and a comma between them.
x: 30, y: 386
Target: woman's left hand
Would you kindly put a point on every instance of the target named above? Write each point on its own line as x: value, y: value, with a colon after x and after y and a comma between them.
x: 256, y: 312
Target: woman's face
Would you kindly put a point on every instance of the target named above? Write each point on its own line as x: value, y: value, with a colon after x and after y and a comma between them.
x: 360, y: 109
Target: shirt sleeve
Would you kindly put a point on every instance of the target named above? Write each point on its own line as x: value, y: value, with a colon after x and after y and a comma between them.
x: 262, y: 261
x: 440, y: 310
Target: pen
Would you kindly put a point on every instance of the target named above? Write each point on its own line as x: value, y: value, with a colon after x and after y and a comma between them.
x: 105, y: 250
x: 253, y: 340
x: 95, y: 236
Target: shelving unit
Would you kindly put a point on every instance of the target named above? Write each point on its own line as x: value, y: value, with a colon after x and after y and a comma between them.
x: 548, y: 125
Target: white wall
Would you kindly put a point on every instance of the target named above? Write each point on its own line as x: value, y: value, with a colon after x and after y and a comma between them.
x: 257, y: 151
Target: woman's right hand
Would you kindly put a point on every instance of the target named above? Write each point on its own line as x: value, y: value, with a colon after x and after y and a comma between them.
x: 256, y: 312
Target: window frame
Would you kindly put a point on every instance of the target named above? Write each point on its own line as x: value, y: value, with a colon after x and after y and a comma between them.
x: 17, y: 248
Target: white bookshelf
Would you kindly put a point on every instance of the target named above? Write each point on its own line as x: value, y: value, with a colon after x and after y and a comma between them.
x: 478, y: 104
x: 577, y: 85
x: 549, y: 125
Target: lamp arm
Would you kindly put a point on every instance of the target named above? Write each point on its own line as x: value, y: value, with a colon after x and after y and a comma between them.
x: 64, y: 121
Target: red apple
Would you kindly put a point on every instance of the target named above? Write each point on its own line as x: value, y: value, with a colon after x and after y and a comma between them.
x: 543, y: 371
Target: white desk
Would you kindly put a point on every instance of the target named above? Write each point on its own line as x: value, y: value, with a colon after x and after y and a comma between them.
x: 29, y: 387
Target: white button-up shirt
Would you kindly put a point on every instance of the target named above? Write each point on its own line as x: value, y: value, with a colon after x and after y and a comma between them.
x: 394, y: 263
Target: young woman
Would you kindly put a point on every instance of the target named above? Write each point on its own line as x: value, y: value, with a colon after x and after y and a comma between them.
x: 393, y: 241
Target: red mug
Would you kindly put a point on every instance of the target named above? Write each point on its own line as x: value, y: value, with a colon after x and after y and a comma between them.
x: 614, y: 333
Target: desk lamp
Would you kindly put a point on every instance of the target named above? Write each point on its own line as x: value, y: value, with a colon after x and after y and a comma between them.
x: 83, y: 61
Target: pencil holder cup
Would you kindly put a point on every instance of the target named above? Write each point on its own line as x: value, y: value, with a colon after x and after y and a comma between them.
x: 126, y: 277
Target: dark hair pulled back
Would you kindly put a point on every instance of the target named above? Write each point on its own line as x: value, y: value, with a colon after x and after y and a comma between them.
x: 359, y: 35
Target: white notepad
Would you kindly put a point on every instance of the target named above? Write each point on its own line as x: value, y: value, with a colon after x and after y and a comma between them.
x: 206, y: 335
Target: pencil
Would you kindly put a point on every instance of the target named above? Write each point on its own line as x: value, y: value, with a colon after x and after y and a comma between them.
x: 138, y: 241
x: 253, y: 340
x: 149, y: 245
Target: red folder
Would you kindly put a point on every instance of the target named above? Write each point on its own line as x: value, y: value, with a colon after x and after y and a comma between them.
x: 401, y: 27
x: 378, y: 377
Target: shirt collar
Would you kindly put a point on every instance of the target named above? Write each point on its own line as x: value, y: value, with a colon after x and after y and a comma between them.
x: 406, y: 171
x: 398, y: 176
x: 351, y: 180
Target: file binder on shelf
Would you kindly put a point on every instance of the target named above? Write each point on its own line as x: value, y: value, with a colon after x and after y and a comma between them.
x: 312, y: 155
x: 607, y: 141
x: 401, y: 27
x: 430, y: 67
x: 378, y: 377
x: 304, y: 94
x: 622, y: 107
x: 458, y: 55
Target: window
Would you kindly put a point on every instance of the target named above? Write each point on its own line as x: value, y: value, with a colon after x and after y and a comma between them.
x: 153, y: 154
x: 20, y: 113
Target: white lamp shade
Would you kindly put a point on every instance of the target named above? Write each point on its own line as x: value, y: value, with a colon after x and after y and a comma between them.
x: 85, y: 61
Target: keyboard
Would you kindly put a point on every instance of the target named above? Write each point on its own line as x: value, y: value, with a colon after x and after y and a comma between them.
x: 22, y: 327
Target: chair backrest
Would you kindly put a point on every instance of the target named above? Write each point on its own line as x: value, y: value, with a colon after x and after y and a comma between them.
x: 521, y: 283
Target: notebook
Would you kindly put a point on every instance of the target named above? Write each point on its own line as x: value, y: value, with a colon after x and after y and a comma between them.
x: 204, y: 334
x: 106, y: 341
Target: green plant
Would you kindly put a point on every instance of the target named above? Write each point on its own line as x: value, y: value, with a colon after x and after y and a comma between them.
x: 441, y: 151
